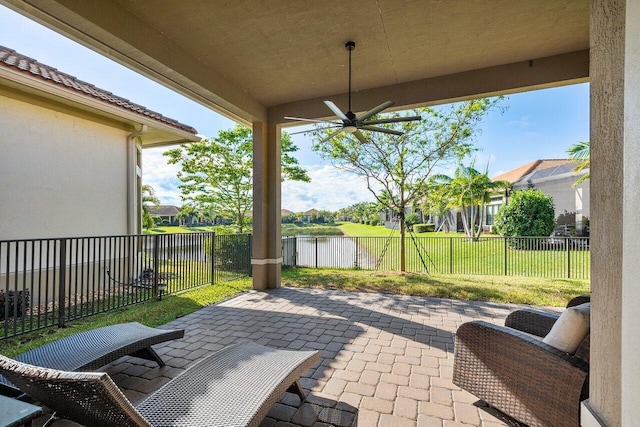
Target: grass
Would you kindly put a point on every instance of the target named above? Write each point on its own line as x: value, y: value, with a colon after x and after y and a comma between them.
x: 501, y: 289
x: 150, y: 313
x: 453, y: 253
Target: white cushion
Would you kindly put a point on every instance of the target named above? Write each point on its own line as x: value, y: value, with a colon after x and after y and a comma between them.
x: 570, y: 329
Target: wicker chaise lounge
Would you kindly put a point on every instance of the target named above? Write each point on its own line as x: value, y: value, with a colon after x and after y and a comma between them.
x: 89, y: 350
x: 235, y: 386
x: 512, y: 370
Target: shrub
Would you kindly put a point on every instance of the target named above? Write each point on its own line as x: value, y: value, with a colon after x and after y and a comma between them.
x: 232, y: 252
x: 423, y: 228
x: 528, y: 213
x: 412, y: 219
x: 375, y: 221
x: 14, y: 303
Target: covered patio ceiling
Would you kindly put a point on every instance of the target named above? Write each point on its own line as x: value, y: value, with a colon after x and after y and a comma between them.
x: 254, y: 61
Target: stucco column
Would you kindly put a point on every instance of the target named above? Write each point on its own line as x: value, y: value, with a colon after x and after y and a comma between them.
x: 266, y: 257
x: 615, y: 226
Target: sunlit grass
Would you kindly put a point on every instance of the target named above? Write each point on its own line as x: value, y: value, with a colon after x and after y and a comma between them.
x: 519, y: 290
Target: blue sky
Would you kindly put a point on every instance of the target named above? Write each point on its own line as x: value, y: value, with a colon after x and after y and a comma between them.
x: 536, y: 125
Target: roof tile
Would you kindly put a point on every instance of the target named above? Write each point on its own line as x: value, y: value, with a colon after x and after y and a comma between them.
x: 11, y: 59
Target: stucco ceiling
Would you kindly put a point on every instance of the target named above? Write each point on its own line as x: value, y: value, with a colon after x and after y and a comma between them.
x: 245, y: 58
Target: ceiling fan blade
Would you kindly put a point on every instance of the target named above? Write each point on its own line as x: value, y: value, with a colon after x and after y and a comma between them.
x: 376, y: 110
x: 302, y: 119
x: 330, y: 136
x: 333, y: 107
x: 393, y: 120
x: 314, y: 130
x: 383, y: 130
x: 360, y: 136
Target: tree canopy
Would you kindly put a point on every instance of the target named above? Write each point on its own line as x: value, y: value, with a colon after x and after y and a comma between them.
x: 580, y: 152
x: 217, y: 173
x: 396, y: 168
x: 148, y: 198
x: 468, y: 191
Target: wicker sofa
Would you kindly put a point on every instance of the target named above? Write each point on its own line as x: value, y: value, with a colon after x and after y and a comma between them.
x: 512, y: 370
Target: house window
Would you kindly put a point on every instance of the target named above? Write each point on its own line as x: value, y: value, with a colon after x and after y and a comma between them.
x: 491, y: 211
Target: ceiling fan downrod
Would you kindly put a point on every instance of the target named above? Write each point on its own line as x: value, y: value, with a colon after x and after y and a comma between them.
x: 350, y: 46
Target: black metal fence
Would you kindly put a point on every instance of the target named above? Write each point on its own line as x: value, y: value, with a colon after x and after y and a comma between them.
x: 46, y: 282
x: 557, y: 257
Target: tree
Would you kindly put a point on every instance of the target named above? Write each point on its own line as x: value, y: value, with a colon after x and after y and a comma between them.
x: 217, y: 173
x: 148, y: 198
x: 362, y: 212
x: 528, y: 213
x: 396, y: 168
x: 469, y: 191
x: 580, y: 152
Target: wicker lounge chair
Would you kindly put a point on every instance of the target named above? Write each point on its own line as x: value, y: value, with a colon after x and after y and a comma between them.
x: 512, y: 370
x: 235, y: 386
x: 89, y: 350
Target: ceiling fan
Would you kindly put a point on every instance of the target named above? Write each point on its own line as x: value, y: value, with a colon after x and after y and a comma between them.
x: 351, y: 123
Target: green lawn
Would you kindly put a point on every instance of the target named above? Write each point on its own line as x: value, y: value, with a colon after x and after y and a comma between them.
x: 519, y: 290
x: 453, y: 253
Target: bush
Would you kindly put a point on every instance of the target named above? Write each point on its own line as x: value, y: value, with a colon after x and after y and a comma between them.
x: 423, y: 228
x: 412, y: 219
x: 23, y: 299
x: 528, y: 213
x: 375, y: 221
x: 232, y: 252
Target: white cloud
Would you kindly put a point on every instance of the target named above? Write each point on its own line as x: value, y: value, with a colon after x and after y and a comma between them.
x: 160, y: 175
x: 329, y: 188
x: 522, y: 122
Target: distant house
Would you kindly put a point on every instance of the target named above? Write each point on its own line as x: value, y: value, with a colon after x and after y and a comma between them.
x: 73, y: 151
x: 308, y: 215
x: 555, y: 178
x: 168, y: 213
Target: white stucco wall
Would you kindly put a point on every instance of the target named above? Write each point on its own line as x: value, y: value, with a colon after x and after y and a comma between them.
x: 60, y: 175
x: 565, y: 197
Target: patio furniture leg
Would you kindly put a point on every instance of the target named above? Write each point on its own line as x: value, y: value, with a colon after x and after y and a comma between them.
x: 296, y: 388
x: 149, y: 354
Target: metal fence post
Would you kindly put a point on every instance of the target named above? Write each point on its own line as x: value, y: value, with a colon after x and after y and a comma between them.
x: 568, y: 243
x: 212, y: 240
x: 62, y: 281
x: 505, y: 256
x: 316, y: 252
x: 450, y: 255
x: 356, y: 250
x: 156, y: 255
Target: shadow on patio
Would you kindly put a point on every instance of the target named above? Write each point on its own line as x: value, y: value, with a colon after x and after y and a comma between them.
x: 385, y: 360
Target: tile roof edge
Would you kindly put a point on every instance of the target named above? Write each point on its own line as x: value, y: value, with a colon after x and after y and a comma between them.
x: 12, y: 60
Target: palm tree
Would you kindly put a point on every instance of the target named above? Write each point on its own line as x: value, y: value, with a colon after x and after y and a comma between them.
x: 469, y: 191
x: 148, y: 198
x: 580, y: 153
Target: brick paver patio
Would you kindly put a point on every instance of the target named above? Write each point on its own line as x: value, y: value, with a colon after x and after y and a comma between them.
x: 385, y: 360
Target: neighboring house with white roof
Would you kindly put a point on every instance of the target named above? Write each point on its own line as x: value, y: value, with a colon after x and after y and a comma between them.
x: 555, y: 178
x: 70, y: 162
